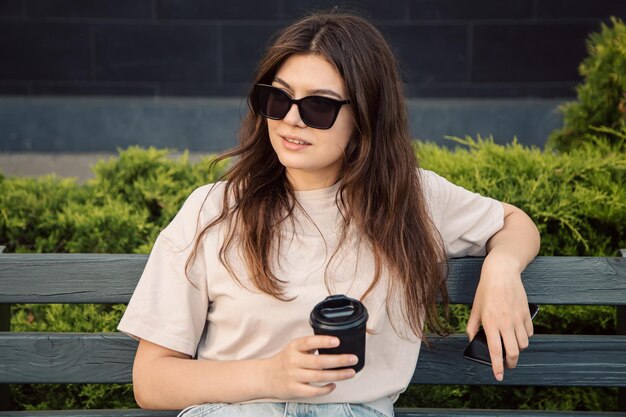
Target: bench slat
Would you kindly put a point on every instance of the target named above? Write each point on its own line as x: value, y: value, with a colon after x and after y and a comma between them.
x: 104, y: 278
x: 66, y: 357
x: 129, y: 412
x: 551, y: 360
x: 69, y: 278
x: 438, y: 412
x: 425, y: 412
x: 554, y: 360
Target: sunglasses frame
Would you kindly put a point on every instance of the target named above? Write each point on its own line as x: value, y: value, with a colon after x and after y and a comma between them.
x: 338, y: 104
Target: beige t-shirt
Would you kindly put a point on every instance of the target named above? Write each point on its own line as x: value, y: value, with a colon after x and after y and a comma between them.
x: 216, y: 318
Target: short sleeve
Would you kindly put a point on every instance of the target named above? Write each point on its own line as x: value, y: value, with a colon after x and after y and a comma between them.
x: 465, y: 220
x: 168, y: 306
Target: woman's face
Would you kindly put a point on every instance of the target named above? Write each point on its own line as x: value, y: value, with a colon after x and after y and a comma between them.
x: 312, y: 157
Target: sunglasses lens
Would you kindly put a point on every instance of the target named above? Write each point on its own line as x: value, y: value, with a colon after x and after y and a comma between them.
x: 315, y: 111
x: 273, y: 102
x: 318, y: 112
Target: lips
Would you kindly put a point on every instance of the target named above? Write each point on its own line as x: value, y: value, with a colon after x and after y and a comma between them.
x: 294, y: 140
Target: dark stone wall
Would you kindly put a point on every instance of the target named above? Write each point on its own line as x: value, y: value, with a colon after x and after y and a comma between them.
x: 446, y: 48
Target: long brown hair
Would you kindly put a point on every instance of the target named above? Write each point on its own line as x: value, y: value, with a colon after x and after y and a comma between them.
x: 380, y: 192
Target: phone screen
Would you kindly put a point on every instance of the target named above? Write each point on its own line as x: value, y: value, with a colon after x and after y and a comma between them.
x: 478, y: 351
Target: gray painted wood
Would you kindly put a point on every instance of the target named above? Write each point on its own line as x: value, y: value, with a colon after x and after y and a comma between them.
x: 551, y: 360
x: 437, y: 412
x: 107, y: 358
x: 92, y: 413
x: 552, y: 280
x: 100, y: 278
x: 66, y: 357
x: 69, y: 278
x: 415, y: 412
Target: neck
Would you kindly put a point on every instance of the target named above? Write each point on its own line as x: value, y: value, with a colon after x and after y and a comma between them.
x: 304, y: 181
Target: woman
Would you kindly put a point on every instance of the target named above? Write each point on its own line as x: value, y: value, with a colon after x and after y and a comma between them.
x: 325, y: 197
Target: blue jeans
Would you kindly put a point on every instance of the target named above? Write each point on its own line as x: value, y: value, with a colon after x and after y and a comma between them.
x: 281, y: 410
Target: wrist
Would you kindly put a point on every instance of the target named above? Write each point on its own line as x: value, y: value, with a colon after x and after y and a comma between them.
x: 499, y: 259
x: 263, y: 384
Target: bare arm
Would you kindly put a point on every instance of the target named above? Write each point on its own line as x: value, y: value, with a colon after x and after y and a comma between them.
x: 500, y: 303
x: 166, y: 379
x: 518, y: 240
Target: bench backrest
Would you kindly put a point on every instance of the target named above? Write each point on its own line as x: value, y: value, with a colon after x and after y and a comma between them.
x: 569, y: 360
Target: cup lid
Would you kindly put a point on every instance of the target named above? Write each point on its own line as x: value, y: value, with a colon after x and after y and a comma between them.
x: 338, y: 312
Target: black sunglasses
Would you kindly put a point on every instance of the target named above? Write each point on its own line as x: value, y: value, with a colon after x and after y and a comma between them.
x: 315, y: 111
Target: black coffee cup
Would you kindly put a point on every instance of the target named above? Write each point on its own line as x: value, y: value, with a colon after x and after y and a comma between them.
x: 345, y: 318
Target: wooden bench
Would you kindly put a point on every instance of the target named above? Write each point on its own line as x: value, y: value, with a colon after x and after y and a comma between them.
x: 551, y: 360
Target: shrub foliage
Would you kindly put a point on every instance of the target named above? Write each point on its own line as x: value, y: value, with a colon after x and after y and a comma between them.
x: 602, y: 96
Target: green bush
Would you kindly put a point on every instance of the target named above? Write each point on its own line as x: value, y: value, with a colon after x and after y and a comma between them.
x: 602, y: 95
x: 29, y: 210
x: 576, y: 199
x: 149, y: 180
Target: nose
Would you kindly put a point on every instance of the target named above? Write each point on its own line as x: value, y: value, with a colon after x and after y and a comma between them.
x: 293, y: 116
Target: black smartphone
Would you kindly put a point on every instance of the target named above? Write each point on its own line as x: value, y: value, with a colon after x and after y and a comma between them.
x: 478, y: 351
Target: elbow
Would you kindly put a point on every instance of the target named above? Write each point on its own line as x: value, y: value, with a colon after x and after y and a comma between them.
x: 534, y: 237
x: 147, y: 400
x: 139, y: 400
x: 141, y: 397
x: 152, y: 378
x: 144, y: 394
x: 534, y: 233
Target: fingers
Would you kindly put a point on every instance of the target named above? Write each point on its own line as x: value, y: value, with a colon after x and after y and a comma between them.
x: 473, y: 324
x: 297, y: 371
x: 309, y: 344
x: 312, y: 343
x: 306, y: 368
x: 511, y: 348
x: 328, y: 361
x: 522, y: 337
x: 309, y: 391
x: 511, y: 342
x: 528, y: 325
x: 495, y: 352
x: 319, y: 376
x: 307, y: 382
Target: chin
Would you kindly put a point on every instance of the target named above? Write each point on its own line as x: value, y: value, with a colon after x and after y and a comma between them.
x: 289, y: 163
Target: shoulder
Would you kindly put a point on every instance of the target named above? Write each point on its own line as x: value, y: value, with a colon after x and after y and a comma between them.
x: 202, y: 206
x: 204, y: 201
x: 439, y: 189
x: 433, y: 185
x: 465, y: 219
x: 445, y: 198
x: 211, y: 194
